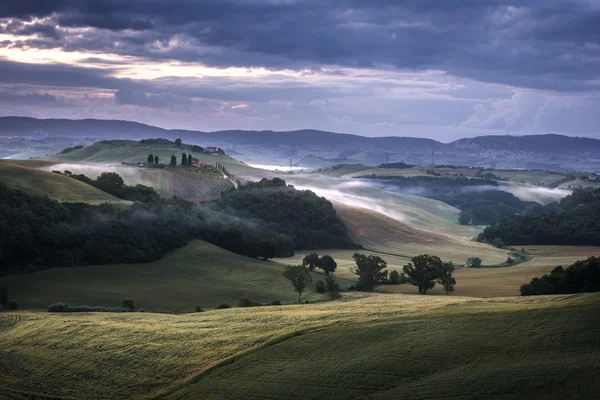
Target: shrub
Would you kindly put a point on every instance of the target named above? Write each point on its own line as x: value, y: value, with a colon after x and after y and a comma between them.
x: 58, y: 307
x: 13, y: 305
x: 320, y: 287
x: 128, y: 304
x: 244, y: 302
x: 199, y: 309
x: 222, y: 306
x: 331, y: 285
x: 474, y: 262
x: 276, y: 303
x: 65, y: 307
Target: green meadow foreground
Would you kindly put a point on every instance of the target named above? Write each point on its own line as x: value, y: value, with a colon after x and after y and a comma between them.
x: 198, y: 274
x: 362, y: 346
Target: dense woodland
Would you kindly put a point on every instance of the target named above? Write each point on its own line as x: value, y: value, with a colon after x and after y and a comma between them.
x: 576, y: 221
x: 481, y: 200
x: 310, y: 220
x: 583, y: 276
x: 39, y: 233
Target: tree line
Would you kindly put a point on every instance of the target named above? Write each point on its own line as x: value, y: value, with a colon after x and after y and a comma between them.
x: 582, y: 276
x: 424, y: 272
x: 574, y: 221
x: 40, y: 233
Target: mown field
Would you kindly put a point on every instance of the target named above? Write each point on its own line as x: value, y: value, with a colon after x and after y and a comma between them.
x: 362, y: 346
x: 559, y: 255
x: 16, y: 175
x: 198, y: 274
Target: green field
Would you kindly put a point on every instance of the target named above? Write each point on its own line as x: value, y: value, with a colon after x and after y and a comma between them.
x: 363, y: 346
x: 55, y: 186
x: 198, y: 274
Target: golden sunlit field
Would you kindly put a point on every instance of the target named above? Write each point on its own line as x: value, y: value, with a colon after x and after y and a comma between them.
x: 335, y: 350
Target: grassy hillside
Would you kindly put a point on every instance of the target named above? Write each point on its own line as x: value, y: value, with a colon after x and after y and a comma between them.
x: 377, y: 345
x: 379, y: 232
x: 132, y: 152
x: 544, y: 354
x: 198, y: 274
x: 57, y: 187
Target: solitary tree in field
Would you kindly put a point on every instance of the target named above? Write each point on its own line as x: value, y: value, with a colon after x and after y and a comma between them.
x: 311, y: 261
x: 299, y: 277
x: 150, y: 158
x: 474, y: 262
x: 328, y: 264
x: 445, y: 277
x: 155, y: 159
x: 173, y: 160
x: 423, y: 271
x: 371, y: 270
x: 184, y: 159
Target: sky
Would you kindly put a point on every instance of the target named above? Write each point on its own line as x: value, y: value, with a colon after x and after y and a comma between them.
x: 422, y: 68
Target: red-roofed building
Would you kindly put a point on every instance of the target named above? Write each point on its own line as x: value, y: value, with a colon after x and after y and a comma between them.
x: 198, y: 164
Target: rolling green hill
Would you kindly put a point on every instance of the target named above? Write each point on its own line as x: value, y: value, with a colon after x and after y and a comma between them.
x: 55, y: 186
x: 375, y: 346
x: 198, y: 274
x: 547, y: 354
x: 118, y: 151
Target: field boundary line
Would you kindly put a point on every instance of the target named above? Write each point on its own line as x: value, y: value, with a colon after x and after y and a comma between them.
x: 236, y: 357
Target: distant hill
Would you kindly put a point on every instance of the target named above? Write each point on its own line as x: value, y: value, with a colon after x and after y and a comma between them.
x: 109, y: 129
x: 534, y: 143
x: 309, y: 148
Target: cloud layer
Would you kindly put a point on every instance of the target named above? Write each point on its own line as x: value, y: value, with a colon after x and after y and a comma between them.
x: 383, y: 67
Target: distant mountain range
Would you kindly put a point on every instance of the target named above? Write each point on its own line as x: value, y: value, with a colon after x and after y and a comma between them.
x: 272, y: 146
x: 112, y: 129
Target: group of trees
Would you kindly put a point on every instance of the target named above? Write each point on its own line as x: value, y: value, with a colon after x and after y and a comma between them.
x: 575, y: 221
x: 39, y: 233
x: 309, y: 221
x: 152, y: 159
x: 326, y: 263
x: 261, y: 222
x: 480, y: 200
x: 371, y: 270
x: 113, y: 183
x: 582, y: 276
x: 426, y: 271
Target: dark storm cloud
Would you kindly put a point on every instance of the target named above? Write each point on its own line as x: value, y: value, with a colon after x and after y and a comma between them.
x: 59, y: 75
x: 537, y: 44
x: 29, y: 99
